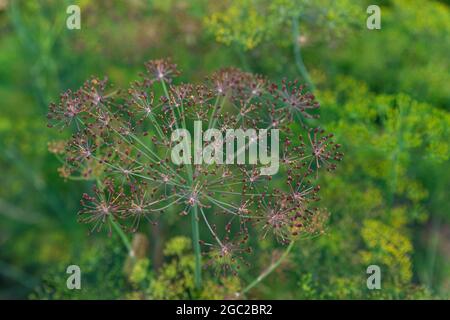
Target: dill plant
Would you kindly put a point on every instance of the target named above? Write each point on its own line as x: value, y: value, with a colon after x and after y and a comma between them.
x: 122, y: 140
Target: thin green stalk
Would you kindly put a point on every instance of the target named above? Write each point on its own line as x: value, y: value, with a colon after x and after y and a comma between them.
x: 194, y: 219
x: 270, y: 269
x: 197, y: 250
x: 122, y: 236
x: 118, y: 229
x: 172, y: 109
x: 298, y: 55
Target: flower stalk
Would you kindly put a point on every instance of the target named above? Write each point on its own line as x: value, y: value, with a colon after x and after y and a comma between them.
x: 297, y: 54
x: 196, y: 245
x: 269, y: 270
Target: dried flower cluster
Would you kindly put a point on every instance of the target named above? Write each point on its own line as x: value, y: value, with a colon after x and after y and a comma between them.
x: 123, y: 141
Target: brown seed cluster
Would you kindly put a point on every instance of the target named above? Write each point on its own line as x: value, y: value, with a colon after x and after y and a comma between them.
x: 122, y: 140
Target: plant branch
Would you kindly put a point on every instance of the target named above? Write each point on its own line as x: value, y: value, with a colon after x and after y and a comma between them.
x: 118, y: 229
x: 196, y: 245
x: 298, y: 55
x: 123, y: 237
x: 269, y: 270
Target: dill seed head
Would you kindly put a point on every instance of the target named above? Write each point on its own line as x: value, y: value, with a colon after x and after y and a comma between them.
x: 123, y: 141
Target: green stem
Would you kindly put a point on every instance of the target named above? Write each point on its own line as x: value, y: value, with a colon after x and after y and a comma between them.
x: 122, y: 236
x: 298, y: 55
x: 118, y: 229
x: 194, y: 220
x: 197, y: 250
x: 270, y: 269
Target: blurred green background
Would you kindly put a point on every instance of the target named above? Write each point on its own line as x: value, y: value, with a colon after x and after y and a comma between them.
x: 384, y: 93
